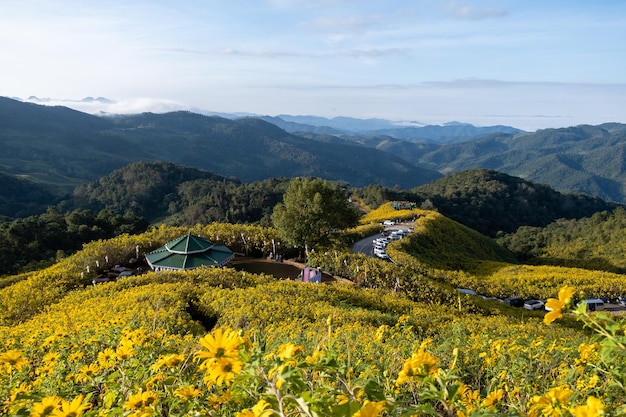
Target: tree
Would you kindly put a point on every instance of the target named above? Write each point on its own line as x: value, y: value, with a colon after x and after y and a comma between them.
x: 312, y: 211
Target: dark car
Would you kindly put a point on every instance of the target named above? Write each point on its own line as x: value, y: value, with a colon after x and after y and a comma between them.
x: 514, y: 301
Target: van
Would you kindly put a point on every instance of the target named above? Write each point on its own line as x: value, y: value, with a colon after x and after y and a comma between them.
x: 594, y: 304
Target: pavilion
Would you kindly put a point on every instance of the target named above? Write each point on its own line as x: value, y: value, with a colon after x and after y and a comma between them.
x: 188, y: 252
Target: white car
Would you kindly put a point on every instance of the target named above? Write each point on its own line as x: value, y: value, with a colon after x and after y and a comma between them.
x: 389, y: 223
x: 534, y: 305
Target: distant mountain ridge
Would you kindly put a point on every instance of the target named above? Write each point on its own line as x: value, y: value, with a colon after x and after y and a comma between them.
x: 451, y: 132
x: 64, y: 147
x: 583, y: 159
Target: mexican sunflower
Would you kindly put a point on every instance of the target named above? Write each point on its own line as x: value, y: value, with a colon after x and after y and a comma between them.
x: 45, y: 407
x: 72, y: 409
x: 420, y: 365
x: 220, y: 359
x: 556, y: 305
x: 220, y: 344
x: 593, y: 408
x: 370, y: 409
x: 222, y: 371
x: 259, y: 410
x: 13, y: 359
x: 554, y: 403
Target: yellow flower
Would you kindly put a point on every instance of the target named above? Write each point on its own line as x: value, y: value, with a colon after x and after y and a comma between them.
x: 493, y: 398
x: 72, y: 409
x: 469, y: 398
x: 554, y: 403
x: 556, y: 305
x: 45, y: 407
x: 587, y: 353
x: 87, y: 372
x: 21, y: 389
x: 370, y: 409
x: 141, y: 400
x: 106, y: 358
x: 169, y: 361
x: 593, y: 408
x: 187, y: 392
x: 76, y: 356
x: 288, y: 350
x: 125, y: 350
x: 51, y: 357
x: 380, y: 333
x: 222, y: 371
x: 14, y: 359
x: 260, y: 409
x: 420, y: 365
x: 222, y: 343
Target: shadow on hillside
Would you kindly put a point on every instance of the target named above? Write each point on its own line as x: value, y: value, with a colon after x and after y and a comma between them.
x: 592, y: 264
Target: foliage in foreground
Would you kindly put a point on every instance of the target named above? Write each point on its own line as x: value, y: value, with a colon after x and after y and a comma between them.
x: 139, y: 347
x: 132, y: 348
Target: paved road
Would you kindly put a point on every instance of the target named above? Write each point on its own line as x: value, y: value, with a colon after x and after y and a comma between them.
x: 364, y: 246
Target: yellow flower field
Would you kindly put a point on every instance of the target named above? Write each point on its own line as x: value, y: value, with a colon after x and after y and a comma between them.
x: 220, y: 342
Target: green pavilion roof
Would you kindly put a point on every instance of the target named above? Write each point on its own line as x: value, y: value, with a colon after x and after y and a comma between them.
x: 189, y: 252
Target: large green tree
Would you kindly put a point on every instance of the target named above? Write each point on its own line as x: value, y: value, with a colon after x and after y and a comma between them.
x: 312, y: 211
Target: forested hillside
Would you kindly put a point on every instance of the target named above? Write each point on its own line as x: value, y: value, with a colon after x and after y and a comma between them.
x: 21, y: 198
x: 33, y: 241
x: 63, y: 148
x: 582, y: 159
x: 596, y: 242
x: 491, y: 202
x: 181, y: 195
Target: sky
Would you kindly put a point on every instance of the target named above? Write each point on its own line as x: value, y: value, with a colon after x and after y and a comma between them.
x: 531, y: 64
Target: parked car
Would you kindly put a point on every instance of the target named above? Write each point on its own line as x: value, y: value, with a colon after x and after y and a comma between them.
x: 514, y: 301
x: 534, y: 305
x: 466, y: 291
x: 389, y: 223
x: 594, y: 304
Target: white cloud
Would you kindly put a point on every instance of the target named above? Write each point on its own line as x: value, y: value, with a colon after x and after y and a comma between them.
x: 464, y: 11
x: 124, y: 106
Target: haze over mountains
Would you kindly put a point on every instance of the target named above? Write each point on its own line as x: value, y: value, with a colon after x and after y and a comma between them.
x: 62, y: 147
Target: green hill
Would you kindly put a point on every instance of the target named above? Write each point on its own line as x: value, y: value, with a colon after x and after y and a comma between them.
x: 21, y: 198
x: 161, y: 191
x: 491, y: 202
x: 594, y: 242
x: 582, y: 159
x: 441, y: 243
x: 65, y: 148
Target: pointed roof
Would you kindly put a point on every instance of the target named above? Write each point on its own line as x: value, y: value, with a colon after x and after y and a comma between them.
x: 189, y: 252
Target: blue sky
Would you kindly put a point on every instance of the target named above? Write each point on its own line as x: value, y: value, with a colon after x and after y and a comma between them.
x: 529, y: 64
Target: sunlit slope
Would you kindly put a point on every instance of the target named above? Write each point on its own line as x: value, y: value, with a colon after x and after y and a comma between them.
x: 464, y: 258
x: 140, y: 335
x: 22, y: 296
x: 130, y: 347
x: 441, y: 243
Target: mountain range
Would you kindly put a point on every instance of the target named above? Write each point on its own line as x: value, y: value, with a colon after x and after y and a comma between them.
x: 64, y: 147
x: 60, y: 147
